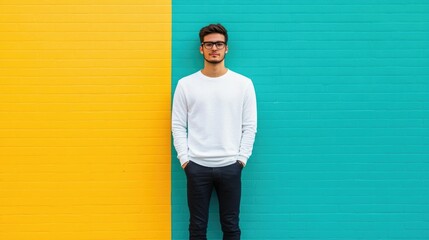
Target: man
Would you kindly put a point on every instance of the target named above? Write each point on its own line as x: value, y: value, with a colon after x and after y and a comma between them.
x: 214, y: 126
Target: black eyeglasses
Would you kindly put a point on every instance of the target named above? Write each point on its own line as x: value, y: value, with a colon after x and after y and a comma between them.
x: 209, y: 45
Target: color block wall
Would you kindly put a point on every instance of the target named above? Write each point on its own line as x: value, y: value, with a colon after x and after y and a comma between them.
x: 342, y: 150
x: 84, y: 119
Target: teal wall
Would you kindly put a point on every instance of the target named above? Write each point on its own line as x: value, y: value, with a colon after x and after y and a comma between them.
x: 342, y: 149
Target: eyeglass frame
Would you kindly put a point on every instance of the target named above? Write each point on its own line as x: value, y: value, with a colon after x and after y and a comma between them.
x: 214, y: 43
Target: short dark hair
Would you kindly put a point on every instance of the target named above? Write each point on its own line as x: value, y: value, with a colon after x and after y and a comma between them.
x: 213, y: 28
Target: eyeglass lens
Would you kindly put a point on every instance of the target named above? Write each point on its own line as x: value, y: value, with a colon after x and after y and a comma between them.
x: 209, y: 45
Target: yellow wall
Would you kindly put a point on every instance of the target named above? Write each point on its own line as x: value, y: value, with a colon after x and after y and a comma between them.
x: 84, y: 119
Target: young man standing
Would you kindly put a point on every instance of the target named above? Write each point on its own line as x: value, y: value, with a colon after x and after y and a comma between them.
x: 214, y: 126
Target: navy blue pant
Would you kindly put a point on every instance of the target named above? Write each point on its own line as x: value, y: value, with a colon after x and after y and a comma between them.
x: 227, y: 183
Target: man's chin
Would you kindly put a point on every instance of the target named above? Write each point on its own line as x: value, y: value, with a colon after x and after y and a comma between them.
x: 214, y: 61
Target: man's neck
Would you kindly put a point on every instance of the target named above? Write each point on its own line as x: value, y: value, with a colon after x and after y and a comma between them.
x: 214, y: 70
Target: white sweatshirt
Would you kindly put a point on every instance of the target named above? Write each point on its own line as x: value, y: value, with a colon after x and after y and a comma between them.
x: 214, y: 119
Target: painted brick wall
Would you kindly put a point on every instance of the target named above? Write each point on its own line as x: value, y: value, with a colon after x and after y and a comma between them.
x: 342, y: 150
x: 85, y: 119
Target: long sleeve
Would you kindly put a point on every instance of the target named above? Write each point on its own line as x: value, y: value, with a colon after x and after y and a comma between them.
x: 249, y: 124
x: 179, y: 124
x: 214, y: 119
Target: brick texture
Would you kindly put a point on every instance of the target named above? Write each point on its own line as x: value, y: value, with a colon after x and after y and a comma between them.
x: 84, y: 119
x: 342, y: 149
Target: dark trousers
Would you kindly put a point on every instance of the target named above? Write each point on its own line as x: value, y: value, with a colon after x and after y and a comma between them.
x: 227, y: 183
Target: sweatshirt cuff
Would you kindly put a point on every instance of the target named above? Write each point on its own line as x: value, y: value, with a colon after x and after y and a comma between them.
x: 242, y: 159
x: 183, y: 159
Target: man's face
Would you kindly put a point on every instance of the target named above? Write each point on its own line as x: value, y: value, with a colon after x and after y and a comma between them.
x: 212, y: 48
